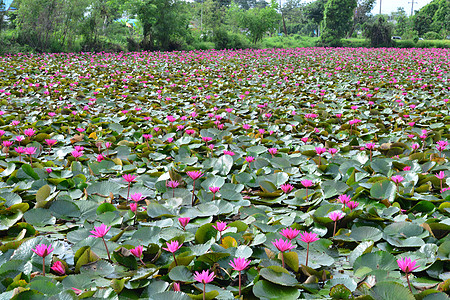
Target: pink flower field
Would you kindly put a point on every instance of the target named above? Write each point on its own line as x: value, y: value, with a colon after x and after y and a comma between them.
x: 254, y: 174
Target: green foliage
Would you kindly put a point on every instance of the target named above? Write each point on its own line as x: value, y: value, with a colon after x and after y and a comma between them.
x: 258, y: 21
x: 337, y: 21
x: 431, y: 35
x: 165, y: 23
x: 441, y: 18
x: 423, y: 19
x: 361, y: 14
x: 401, y: 22
x: 229, y: 40
x: 379, y: 33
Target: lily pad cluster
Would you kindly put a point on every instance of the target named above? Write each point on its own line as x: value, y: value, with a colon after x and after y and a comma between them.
x: 260, y: 174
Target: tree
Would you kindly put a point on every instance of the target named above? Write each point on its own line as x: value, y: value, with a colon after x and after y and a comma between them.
x: 379, y: 32
x: 295, y: 15
x: 315, y: 11
x: 401, y: 21
x: 337, y: 21
x: 2, y: 14
x: 441, y: 18
x: 258, y: 21
x: 165, y: 23
x: 423, y: 19
x: 37, y: 22
x: 361, y: 14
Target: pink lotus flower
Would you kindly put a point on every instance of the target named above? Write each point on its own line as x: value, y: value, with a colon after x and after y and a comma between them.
x: 43, y: 250
x: 176, y: 287
x: 30, y: 151
x: 287, y: 188
x: 184, y: 222
x: 220, y: 226
x: 7, y: 144
x: 335, y: 216
x: 344, y: 199
x: 76, y: 154
x: 407, y: 168
x: 352, y: 205
x: 194, y: 174
x: 306, y: 183
x: 77, y: 291
x: 407, y: 265
x: 29, y: 132
x: 290, y: 233
x: 100, y: 158
x: 129, y: 177
x: 20, y: 151
x: 239, y: 264
x: 397, y: 178
x: 19, y: 138
x: 283, y: 246
x: 273, y: 151
x: 320, y: 150
x: 214, y: 190
x: 50, y: 142
x: 440, y: 176
x: 133, y: 207
x: 136, y: 197
x: 204, y: 277
x: 58, y: 268
x: 249, y: 159
x: 206, y: 139
x: 100, y: 231
x: 172, y: 184
x: 173, y: 246
x: 308, y: 237
x: 137, y: 252
x: 332, y: 151
x: 231, y: 153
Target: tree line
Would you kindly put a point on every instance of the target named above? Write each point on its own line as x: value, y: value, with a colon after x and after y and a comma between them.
x: 133, y: 25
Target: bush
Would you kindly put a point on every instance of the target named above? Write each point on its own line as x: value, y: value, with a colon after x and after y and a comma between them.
x: 404, y: 44
x: 431, y: 35
x: 379, y: 33
x: 355, y: 43
x: 228, y: 40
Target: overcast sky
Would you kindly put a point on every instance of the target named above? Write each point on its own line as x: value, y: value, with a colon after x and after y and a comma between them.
x: 388, y: 6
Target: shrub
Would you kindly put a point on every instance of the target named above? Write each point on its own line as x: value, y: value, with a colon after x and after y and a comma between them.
x: 379, y: 33
x: 431, y: 35
x: 405, y: 44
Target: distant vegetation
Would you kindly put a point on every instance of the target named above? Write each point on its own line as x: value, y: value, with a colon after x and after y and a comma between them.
x: 135, y: 25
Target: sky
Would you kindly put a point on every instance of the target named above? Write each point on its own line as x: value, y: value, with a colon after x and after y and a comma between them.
x: 388, y: 6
